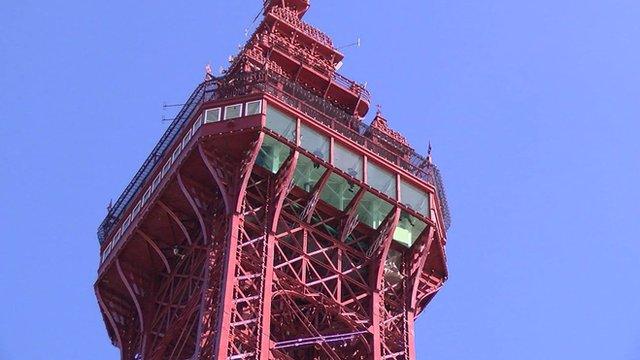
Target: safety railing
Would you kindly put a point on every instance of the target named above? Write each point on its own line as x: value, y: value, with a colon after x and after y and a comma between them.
x: 292, y: 94
x: 204, y: 92
x: 347, y: 125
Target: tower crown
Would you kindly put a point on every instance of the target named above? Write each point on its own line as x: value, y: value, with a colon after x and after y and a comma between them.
x: 286, y: 45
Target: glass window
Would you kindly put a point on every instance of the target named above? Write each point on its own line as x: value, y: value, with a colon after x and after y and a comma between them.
x: 166, y: 167
x: 414, y: 198
x: 408, y: 230
x: 126, y: 223
x: 186, y: 139
x: 211, y: 115
x: 348, y: 161
x: 176, y: 152
x: 197, y: 124
x: 314, y: 142
x: 381, y: 180
x: 281, y: 123
x: 146, y: 196
x: 372, y: 210
x: 156, y: 182
x: 338, y: 192
x: 116, y: 238
x: 136, y: 210
x: 272, y: 154
x: 254, y: 107
x: 307, y: 173
x: 232, y: 111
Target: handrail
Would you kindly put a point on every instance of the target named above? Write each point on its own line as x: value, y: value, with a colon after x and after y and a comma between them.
x: 296, y: 96
x: 350, y: 126
x: 199, y: 95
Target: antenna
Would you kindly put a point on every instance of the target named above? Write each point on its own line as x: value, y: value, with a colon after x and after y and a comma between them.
x: 358, y: 43
x: 166, y: 106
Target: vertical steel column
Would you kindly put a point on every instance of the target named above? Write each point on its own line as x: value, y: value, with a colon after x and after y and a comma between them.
x: 377, y: 301
x: 284, y: 178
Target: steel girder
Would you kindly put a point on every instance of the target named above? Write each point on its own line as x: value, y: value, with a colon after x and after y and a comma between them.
x: 241, y: 265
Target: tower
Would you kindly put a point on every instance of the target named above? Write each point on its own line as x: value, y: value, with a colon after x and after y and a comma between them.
x: 270, y: 222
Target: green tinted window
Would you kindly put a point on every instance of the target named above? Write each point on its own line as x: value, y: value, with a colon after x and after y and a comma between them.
x: 272, y: 154
x: 348, y: 161
x: 372, y: 210
x: 307, y: 173
x: 338, y: 192
x: 314, y: 142
x: 408, y: 229
x: 281, y: 123
x: 381, y: 179
x: 414, y: 198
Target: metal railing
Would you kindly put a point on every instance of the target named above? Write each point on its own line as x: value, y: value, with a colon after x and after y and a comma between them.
x: 351, y: 127
x: 294, y: 95
x: 204, y: 92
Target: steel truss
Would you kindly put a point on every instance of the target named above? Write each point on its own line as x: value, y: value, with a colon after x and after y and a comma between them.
x: 233, y: 262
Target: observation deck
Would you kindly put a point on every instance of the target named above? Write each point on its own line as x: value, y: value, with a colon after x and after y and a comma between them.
x: 308, y: 103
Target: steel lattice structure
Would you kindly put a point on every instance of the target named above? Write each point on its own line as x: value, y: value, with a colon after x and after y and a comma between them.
x: 270, y: 222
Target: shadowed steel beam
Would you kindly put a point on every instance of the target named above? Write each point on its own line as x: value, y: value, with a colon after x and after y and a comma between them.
x: 424, y: 254
x: 136, y: 302
x: 376, y: 303
x: 175, y: 218
x: 155, y: 248
x: 187, y: 195
x: 285, y: 178
x: 107, y: 312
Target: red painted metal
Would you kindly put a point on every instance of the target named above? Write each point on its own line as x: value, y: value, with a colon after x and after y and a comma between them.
x: 222, y: 259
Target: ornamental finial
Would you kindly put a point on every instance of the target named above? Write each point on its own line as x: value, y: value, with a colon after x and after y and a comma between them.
x: 208, y: 72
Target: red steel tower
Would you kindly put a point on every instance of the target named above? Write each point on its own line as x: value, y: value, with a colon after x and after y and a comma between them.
x: 270, y: 222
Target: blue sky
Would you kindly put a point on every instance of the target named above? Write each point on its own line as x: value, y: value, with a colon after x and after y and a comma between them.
x: 533, y: 109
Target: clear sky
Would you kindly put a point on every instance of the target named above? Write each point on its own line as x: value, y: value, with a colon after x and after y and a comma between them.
x: 533, y: 109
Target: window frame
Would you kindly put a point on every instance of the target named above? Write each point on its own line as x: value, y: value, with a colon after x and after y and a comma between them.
x: 167, y: 167
x: 247, y: 104
x: 156, y: 181
x: 207, y: 111
x: 338, y: 147
x: 226, y: 110
x: 146, y: 196
x: 281, y: 114
x: 394, y: 176
x: 306, y: 127
x: 186, y: 138
x: 176, y: 153
x: 197, y: 124
x: 136, y: 209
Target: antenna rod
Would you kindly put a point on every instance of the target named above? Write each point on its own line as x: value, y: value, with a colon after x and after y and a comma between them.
x: 358, y: 43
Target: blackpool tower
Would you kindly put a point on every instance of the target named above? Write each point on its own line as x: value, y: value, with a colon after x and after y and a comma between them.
x: 271, y: 222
